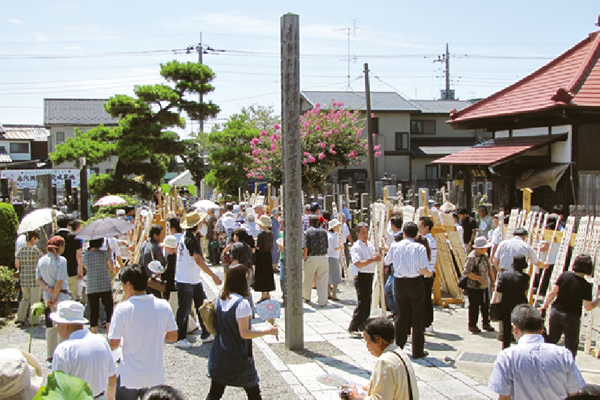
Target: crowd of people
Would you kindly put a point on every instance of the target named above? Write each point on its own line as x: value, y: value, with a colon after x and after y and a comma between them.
x: 76, y: 279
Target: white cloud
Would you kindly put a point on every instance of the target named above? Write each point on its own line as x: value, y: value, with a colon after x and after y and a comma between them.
x: 41, y: 37
x: 15, y: 21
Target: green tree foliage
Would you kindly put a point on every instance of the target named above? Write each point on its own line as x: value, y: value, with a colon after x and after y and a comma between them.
x: 330, y: 139
x: 194, y: 157
x: 261, y: 117
x: 9, y: 222
x: 142, y: 141
x: 230, y: 153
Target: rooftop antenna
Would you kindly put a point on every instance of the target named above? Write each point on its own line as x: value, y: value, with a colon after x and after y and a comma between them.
x: 350, y: 30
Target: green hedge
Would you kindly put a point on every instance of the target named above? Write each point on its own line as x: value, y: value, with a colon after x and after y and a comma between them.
x: 7, y: 289
x: 9, y: 222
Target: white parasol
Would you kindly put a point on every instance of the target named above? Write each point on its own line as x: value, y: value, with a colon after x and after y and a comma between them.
x: 111, y: 200
x: 35, y: 219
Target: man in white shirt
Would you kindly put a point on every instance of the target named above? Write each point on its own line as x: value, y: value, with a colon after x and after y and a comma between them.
x: 410, y: 263
x: 364, y: 259
x: 143, y: 323
x: 396, y: 229
x: 534, y: 369
x: 425, y: 226
x: 495, y: 235
x: 517, y: 246
x: 83, y: 354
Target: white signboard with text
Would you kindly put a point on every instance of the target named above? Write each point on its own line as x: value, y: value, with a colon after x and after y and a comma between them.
x: 27, y: 178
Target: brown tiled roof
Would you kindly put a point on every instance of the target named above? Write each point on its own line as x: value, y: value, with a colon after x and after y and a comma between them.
x: 571, y: 80
x: 37, y: 133
x: 498, y: 150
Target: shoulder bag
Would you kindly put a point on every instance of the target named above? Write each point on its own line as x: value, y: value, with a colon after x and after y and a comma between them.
x: 208, y: 313
x: 495, y: 314
x: 410, y: 392
x: 156, y: 283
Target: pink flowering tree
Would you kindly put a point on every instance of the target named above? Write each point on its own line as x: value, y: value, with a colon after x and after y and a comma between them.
x: 330, y: 139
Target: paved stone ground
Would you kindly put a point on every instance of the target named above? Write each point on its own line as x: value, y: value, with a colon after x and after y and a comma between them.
x: 458, y: 366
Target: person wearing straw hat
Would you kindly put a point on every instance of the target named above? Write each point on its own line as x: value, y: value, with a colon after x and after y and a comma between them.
x: 333, y: 257
x: 264, y: 281
x: 478, y: 268
x: 20, y: 375
x: 187, y: 277
x: 83, y: 354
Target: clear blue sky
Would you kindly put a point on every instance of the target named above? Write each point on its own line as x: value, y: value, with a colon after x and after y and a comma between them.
x: 75, y: 49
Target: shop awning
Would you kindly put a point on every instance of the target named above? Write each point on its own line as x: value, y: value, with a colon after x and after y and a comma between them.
x: 537, y: 177
x: 498, y: 151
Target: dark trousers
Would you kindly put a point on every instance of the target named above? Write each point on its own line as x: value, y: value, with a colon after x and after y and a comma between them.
x: 217, y: 389
x: 562, y: 322
x: 94, y: 300
x: 186, y: 293
x: 478, y: 299
x: 363, y: 283
x: 213, y: 254
x: 124, y: 393
x: 428, y: 304
x: 409, y: 312
x: 506, y: 331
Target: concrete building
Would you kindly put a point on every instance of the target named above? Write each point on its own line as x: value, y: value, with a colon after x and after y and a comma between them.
x: 62, y: 116
x: 412, y: 133
x: 23, y: 146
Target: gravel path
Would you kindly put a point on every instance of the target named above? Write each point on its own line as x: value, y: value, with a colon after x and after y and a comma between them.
x: 185, y: 369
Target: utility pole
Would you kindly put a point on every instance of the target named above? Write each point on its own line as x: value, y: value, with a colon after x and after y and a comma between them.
x: 292, y: 179
x: 200, y: 50
x: 447, y: 73
x: 83, y: 185
x: 446, y: 60
x: 370, y: 135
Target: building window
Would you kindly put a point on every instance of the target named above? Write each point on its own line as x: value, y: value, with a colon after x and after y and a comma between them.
x: 445, y: 171
x: 431, y: 172
x: 401, y: 140
x: 426, y: 126
x: 375, y: 125
x: 95, y: 171
x: 19, y: 148
x: 60, y: 137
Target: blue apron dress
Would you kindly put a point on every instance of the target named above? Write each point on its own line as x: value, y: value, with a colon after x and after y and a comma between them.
x: 230, y: 362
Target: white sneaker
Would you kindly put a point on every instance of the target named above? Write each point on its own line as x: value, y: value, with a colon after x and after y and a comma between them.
x: 183, y: 344
x: 209, y: 339
x: 429, y: 329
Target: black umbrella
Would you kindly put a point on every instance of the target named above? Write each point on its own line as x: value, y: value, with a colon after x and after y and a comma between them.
x: 104, y: 227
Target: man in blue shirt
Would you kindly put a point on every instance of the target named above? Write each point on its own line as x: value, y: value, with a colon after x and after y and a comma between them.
x: 533, y: 369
